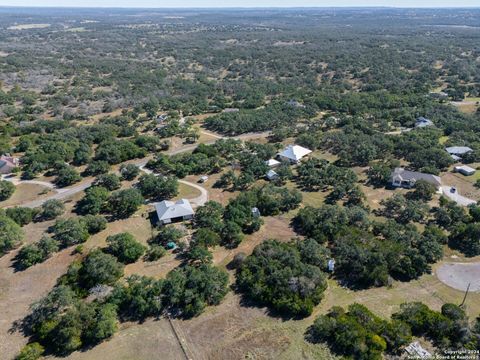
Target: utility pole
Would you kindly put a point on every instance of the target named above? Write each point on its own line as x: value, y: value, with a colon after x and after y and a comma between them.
x: 465, y: 297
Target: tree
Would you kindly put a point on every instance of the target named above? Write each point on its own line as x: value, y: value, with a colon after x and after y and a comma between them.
x: 210, y: 216
x: 275, y: 275
x: 67, y: 176
x: 94, y: 200
x: 108, y: 181
x: 423, y: 191
x: 32, y: 351
x: 51, y: 209
x: 97, y: 167
x: 139, y: 298
x: 11, y: 234
x: 466, y: 238
x: 199, y: 254
x: 94, y: 223
x: 124, y: 203
x: 70, y: 231
x: 158, y: 187
x: 190, y: 289
x: 6, y: 190
x: 32, y: 254
x: 206, y: 237
x: 129, y: 171
x: 99, y: 268
x: 21, y: 215
x: 124, y: 247
x: 102, y: 323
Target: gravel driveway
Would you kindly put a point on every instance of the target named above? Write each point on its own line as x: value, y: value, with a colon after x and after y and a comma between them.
x: 459, y: 275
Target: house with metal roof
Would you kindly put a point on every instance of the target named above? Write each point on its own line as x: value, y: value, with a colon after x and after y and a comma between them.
x: 7, y: 164
x: 169, y: 211
x: 423, y: 122
x: 458, y: 150
x: 293, y: 153
x: 407, y: 179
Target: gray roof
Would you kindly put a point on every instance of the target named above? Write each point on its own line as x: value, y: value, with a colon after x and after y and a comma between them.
x: 170, y: 210
x: 271, y: 174
x: 406, y: 175
x: 458, y: 150
x: 422, y: 122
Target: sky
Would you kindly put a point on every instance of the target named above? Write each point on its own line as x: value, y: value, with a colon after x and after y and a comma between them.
x: 240, y: 3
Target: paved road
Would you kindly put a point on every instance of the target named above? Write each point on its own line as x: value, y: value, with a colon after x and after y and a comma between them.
x: 64, y: 193
x: 455, y: 196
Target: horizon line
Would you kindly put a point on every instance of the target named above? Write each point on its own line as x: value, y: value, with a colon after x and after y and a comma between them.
x: 235, y: 7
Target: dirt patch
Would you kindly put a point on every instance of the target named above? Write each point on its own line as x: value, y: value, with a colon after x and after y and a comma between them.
x: 459, y: 275
x: 18, y: 290
x: 27, y: 192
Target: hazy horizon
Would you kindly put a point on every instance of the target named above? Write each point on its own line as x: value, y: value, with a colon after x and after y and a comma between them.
x: 245, y: 4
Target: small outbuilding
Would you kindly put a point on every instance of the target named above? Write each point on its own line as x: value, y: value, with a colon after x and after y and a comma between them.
x: 256, y: 212
x: 7, y: 164
x: 294, y: 153
x: 464, y: 170
x: 271, y: 175
x: 169, y: 211
x: 203, y: 179
x: 272, y: 163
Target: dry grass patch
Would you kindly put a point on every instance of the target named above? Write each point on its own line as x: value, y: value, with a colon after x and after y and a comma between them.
x: 27, y: 192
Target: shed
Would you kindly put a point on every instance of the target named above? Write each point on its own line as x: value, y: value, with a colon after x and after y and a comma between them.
x: 203, y: 179
x: 168, y: 211
x: 256, y: 212
x: 272, y: 163
x: 331, y: 265
x: 271, y: 175
x: 464, y: 170
x: 417, y: 351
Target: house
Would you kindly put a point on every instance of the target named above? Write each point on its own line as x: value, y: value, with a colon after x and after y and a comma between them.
x: 439, y: 95
x: 416, y: 351
x: 255, y: 212
x: 293, y: 153
x: 230, y: 110
x: 296, y: 104
x: 407, y: 179
x: 423, y: 122
x: 271, y: 175
x: 168, y: 211
x: 7, y: 164
x: 161, y: 118
x: 272, y: 163
x: 464, y: 170
x: 458, y: 151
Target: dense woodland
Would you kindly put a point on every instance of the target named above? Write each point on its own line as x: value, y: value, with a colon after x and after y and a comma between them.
x: 87, y: 94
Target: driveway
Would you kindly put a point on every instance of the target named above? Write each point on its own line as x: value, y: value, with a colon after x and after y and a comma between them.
x: 455, y: 196
x: 64, y: 193
x: 459, y: 275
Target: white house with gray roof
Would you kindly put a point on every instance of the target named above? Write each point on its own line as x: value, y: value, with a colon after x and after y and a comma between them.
x: 294, y: 153
x: 407, y: 179
x: 168, y: 211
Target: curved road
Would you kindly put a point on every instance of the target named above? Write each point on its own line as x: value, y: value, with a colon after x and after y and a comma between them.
x: 64, y: 193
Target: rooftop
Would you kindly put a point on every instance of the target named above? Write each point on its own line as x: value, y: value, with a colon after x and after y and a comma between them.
x: 458, y: 150
x: 170, y: 210
x: 294, y: 152
x: 414, y: 175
